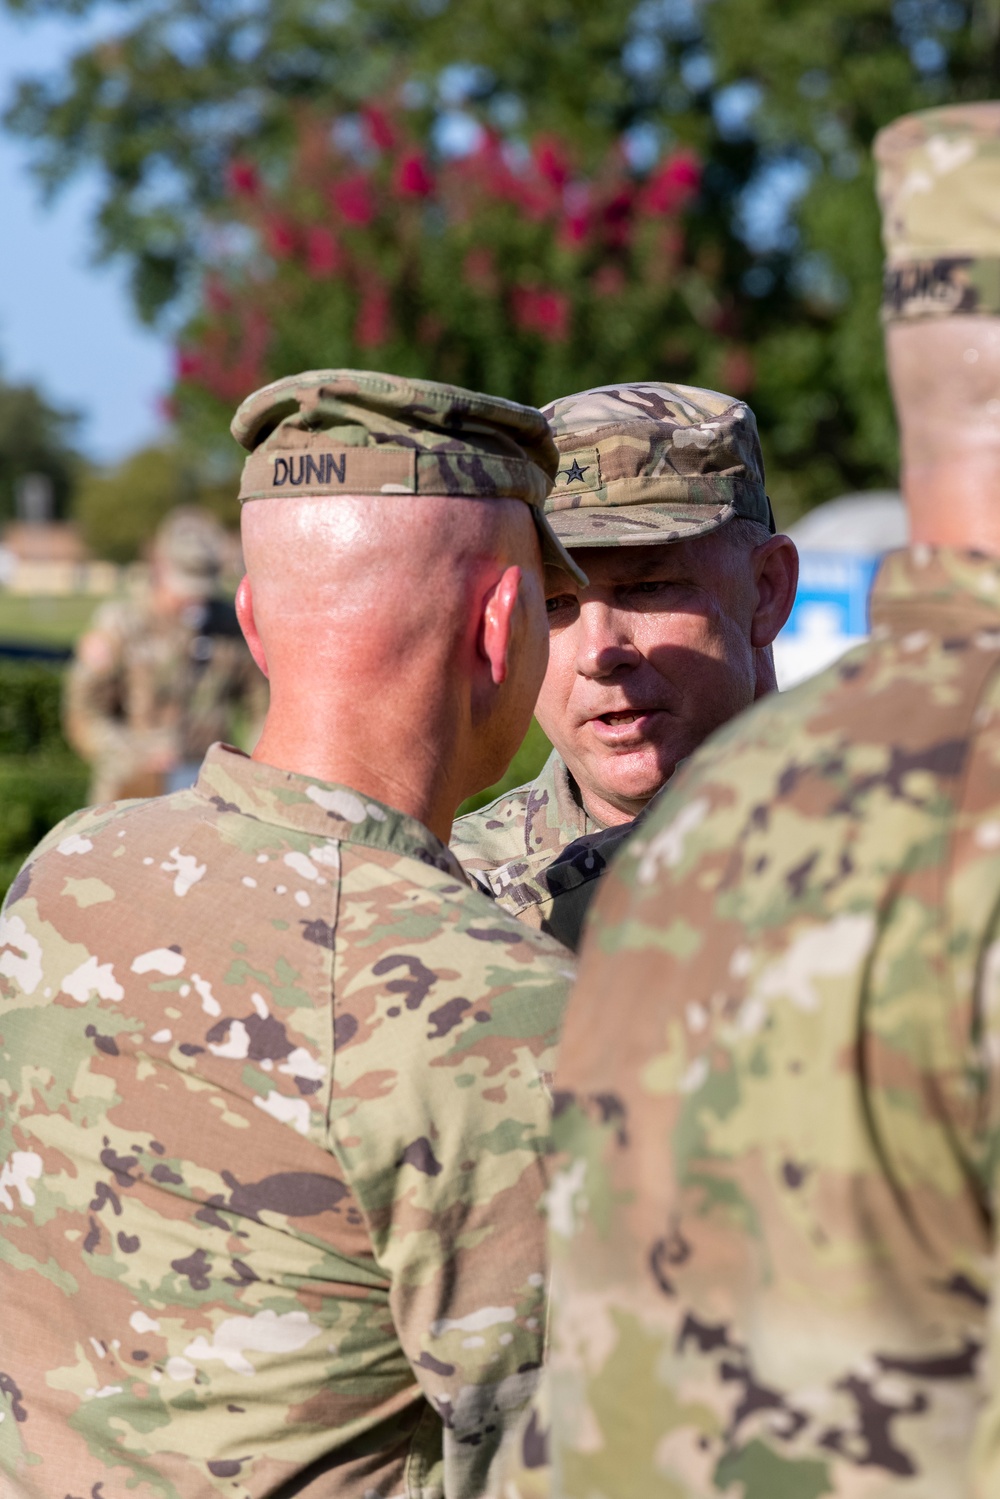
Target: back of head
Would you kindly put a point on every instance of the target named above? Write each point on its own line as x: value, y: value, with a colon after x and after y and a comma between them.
x: 378, y: 514
x: 939, y: 189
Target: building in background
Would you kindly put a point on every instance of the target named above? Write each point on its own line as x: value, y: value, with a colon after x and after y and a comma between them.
x: 840, y: 546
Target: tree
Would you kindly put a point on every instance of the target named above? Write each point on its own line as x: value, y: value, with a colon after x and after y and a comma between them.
x: 35, y: 438
x: 119, y: 508
x: 508, y: 270
x: 777, y: 99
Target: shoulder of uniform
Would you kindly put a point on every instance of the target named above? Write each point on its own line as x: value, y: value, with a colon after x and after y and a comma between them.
x: 495, y: 832
x: 74, y: 835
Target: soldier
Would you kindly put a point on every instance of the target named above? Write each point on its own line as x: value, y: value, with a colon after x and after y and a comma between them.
x: 156, y: 681
x: 273, y: 1073
x: 661, y: 488
x: 774, y: 1224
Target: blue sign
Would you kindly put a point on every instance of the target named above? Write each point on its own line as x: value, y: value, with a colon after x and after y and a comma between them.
x: 832, y: 597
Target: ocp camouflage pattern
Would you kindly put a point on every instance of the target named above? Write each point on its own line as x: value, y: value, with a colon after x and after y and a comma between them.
x: 773, y: 1221
x: 651, y: 462
x: 538, y: 853
x: 939, y: 187
x: 329, y: 432
x: 272, y: 1118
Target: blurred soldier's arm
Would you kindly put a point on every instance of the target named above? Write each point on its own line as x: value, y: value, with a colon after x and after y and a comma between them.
x: 95, y: 714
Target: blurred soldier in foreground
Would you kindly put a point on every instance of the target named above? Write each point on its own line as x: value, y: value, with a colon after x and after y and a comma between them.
x: 156, y: 681
x: 779, y: 1094
x: 661, y: 488
x: 270, y: 1150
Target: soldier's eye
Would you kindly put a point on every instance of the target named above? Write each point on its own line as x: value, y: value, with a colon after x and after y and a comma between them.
x: 559, y: 601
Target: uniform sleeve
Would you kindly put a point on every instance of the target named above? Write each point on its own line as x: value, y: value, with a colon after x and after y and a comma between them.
x: 447, y: 1013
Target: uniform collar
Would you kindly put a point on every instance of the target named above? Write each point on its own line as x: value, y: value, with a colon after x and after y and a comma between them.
x: 565, y: 796
x: 927, y: 574
x: 235, y: 783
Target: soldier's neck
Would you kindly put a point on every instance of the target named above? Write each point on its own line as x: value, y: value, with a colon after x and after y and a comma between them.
x: 955, y: 502
x: 381, y: 752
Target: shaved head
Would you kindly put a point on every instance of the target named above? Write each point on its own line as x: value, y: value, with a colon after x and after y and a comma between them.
x: 381, y: 621
x: 372, y: 572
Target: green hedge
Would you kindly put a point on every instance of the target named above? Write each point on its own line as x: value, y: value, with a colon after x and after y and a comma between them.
x: 41, y: 780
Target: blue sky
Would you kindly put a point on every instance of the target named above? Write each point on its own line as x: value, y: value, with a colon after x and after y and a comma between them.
x: 65, y: 323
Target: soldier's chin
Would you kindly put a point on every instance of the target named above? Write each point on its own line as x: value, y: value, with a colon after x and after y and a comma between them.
x: 634, y: 775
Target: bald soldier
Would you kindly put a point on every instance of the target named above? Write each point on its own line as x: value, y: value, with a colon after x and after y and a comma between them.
x: 660, y: 496
x: 775, y: 1224
x: 273, y: 1074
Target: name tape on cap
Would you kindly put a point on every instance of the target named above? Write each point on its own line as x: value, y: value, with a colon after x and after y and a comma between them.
x: 271, y: 472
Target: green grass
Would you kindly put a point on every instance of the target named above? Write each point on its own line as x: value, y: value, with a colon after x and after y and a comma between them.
x: 45, y: 621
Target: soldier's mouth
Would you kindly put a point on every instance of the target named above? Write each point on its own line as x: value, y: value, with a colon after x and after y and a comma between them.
x: 629, y: 717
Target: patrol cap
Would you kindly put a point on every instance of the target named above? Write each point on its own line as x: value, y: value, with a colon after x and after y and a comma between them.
x: 329, y: 432
x: 649, y: 463
x: 190, y: 544
x: 939, y: 191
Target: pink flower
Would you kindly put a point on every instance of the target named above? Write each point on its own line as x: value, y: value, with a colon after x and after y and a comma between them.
x: 551, y: 161
x: 351, y: 197
x: 541, y: 310
x: 616, y: 217
x: 372, y: 326
x: 279, y: 237
x: 413, y: 180
x: 188, y: 364
x: 323, y: 254
x: 673, y: 185
x: 242, y: 178
x: 379, y: 128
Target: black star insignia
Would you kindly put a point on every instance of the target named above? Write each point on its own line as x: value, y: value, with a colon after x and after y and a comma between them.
x: 575, y: 473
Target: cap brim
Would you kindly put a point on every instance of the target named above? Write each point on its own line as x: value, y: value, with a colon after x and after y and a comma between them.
x: 554, y: 554
x: 636, y: 525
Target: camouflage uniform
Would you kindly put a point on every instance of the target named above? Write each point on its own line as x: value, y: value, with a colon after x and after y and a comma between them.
x: 640, y: 465
x: 147, y: 684
x: 536, y: 851
x: 774, y: 1219
x: 274, y: 1109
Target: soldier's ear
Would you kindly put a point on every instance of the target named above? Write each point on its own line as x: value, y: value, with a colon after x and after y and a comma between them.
x: 496, y: 627
x: 776, y: 570
x: 248, y: 624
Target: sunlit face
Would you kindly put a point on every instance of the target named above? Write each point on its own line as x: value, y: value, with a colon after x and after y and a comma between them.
x: 645, y: 663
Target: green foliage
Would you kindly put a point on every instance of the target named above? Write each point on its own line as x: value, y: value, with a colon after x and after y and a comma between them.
x: 525, y: 765
x: 34, y: 438
x: 119, y: 508
x: 779, y: 99
x: 35, y: 794
x: 30, y: 699
x: 41, y: 781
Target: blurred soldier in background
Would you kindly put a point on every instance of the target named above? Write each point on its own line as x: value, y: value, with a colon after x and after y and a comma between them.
x: 156, y: 681
x: 775, y: 1225
x: 660, y: 496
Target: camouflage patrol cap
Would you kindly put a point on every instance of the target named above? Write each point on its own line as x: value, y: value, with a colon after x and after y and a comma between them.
x: 190, y: 544
x: 648, y: 463
x: 939, y: 190
x: 329, y: 432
